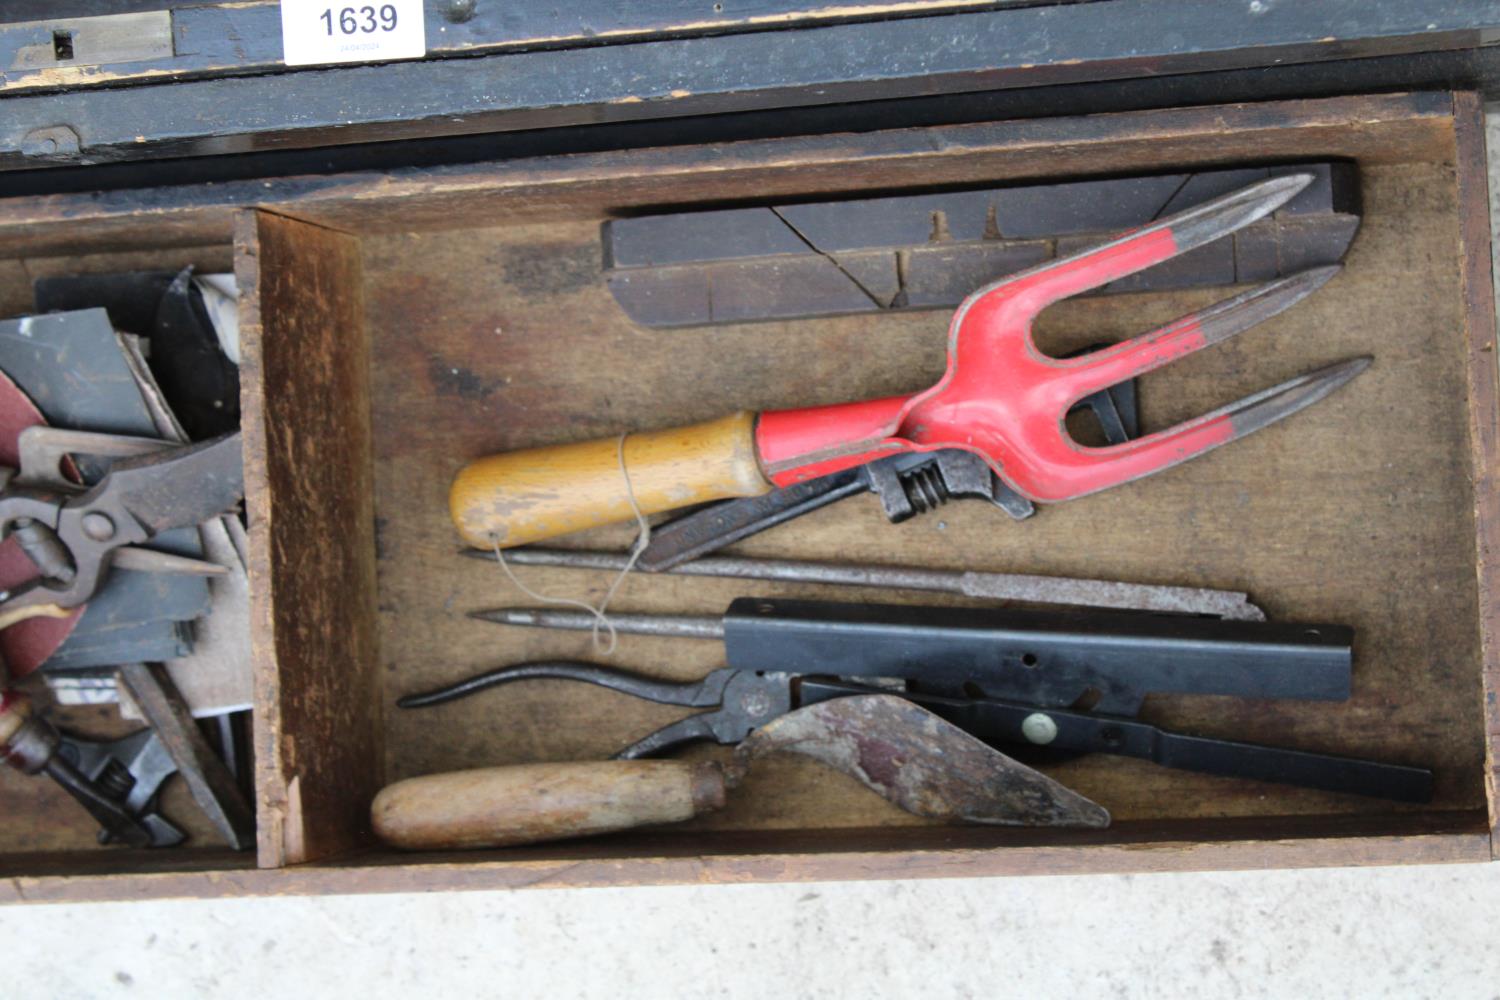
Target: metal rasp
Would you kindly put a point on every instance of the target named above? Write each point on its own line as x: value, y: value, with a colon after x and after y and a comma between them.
x: 1020, y: 588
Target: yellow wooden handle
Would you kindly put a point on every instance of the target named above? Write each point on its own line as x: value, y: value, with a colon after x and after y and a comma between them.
x: 525, y: 803
x: 526, y: 496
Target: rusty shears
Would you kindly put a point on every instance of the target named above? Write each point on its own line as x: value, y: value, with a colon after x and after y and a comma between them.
x: 73, y: 538
x: 1001, y: 398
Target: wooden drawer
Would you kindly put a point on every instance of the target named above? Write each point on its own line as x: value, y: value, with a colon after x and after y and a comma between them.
x: 397, y: 325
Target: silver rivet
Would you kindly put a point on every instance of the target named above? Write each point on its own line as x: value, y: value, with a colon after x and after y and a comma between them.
x: 98, y: 526
x: 1039, y: 728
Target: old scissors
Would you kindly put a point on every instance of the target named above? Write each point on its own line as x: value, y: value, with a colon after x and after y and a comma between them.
x: 73, y: 539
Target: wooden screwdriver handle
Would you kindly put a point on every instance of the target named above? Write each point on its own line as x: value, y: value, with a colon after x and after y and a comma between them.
x: 525, y: 496
x: 526, y: 803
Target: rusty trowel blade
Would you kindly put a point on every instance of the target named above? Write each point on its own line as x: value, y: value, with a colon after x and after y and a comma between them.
x: 925, y: 765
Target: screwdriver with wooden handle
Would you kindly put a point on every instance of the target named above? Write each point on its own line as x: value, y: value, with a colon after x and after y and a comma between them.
x: 524, y: 496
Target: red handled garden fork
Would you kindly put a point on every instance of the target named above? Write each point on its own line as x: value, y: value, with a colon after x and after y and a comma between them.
x: 1000, y: 398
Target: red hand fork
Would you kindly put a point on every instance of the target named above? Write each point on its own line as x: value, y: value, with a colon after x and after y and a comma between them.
x: 1000, y: 398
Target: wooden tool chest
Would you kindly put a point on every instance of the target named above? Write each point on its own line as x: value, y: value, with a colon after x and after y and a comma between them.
x: 399, y: 324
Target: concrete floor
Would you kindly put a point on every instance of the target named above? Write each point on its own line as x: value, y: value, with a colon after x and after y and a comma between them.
x: 1389, y: 932
x: 1364, y: 933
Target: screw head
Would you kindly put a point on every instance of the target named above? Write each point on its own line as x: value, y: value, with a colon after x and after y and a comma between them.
x: 1039, y: 728
x: 98, y: 526
x: 459, y: 11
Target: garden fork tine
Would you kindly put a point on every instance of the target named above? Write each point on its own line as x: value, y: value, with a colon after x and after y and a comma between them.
x: 1003, y: 399
x: 1129, y: 359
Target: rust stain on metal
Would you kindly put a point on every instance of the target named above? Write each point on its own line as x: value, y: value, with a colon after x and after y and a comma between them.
x: 923, y: 764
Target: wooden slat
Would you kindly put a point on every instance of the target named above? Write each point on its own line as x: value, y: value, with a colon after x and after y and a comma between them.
x: 1381, y: 129
x: 312, y: 558
x: 1033, y: 49
x: 789, y: 856
x: 236, y: 38
x: 1484, y: 412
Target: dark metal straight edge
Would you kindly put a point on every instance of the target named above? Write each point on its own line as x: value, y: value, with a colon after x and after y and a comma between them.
x: 1010, y: 723
x: 869, y: 61
x: 1045, y: 657
x: 1048, y: 658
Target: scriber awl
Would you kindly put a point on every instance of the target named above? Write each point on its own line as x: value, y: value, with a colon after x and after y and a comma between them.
x: 1000, y: 399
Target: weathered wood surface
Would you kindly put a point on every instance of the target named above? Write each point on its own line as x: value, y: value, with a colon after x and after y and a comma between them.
x: 655, y: 858
x: 1356, y: 511
x: 1382, y: 129
x: 1039, y: 57
x: 220, y: 39
x: 1484, y: 413
x: 489, y: 336
x: 528, y: 803
x: 307, y: 491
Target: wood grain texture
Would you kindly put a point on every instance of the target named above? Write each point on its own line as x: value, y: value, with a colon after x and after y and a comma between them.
x: 1314, y: 517
x: 527, y: 803
x: 304, y: 382
x: 224, y: 39
x: 535, y: 493
x: 1484, y: 414
x: 787, y: 856
x: 489, y: 329
x: 1381, y: 129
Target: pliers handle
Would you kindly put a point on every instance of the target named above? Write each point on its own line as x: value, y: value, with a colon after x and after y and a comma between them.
x: 741, y: 699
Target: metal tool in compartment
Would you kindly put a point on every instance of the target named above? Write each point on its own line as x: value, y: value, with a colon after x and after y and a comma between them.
x: 907, y: 485
x: 73, y: 539
x: 1019, y: 588
x: 1068, y: 682
x: 116, y: 781
x: 119, y: 781
x: 1001, y: 399
x: 895, y: 748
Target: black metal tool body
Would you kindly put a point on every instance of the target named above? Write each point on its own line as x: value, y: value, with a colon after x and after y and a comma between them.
x: 117, y: 781
x: 907, y: 485
x: 1050, y: 658
x: 1000, y: 722
x: 72, y: 538
x: 737, y: 702
x: 130, y: 770
x: 1044, y: 657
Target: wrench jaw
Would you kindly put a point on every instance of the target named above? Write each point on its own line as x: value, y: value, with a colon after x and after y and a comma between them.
x: 1004, y: 400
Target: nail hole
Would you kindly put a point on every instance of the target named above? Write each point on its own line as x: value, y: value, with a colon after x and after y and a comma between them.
x: 718, y: 7
x: 1028, y: 659
x: 62, y: 45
